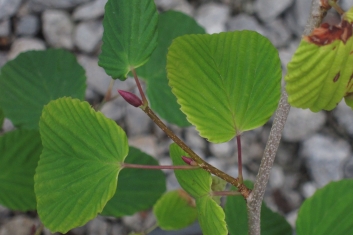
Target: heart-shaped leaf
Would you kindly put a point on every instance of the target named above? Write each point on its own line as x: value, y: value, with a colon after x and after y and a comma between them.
x: 130, y: 35
x: 138, y: 189
x: 19, y: 155
x: 226, y: 83
x: 175, y: 210
x: 328, y: 211
x: 320, y: 73
x: 34, y: 78
x: 170, y: 26
x: 78, y: 169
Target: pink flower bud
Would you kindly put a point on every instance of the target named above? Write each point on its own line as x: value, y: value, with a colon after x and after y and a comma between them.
x: 189, y: 161
x: 130, y: 98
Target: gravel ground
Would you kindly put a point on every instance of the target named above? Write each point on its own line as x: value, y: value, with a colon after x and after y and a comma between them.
x: 315, y: 148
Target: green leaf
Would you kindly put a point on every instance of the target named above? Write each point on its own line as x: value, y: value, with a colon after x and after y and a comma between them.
x: 2, y: 118
x: 79, y: 166
x: 226, y: 83
x: 34, y: 78
x: 211, y: 216
x: 175, y: 210
x: 195, y: 182
x: 328, y: 211
x: 19, y: 155
x: 170, y: 26
x: 130, y: 35
x: 138, y: 189
x: 320, y: 72
x: 218, y: 185
x: 237, y: 219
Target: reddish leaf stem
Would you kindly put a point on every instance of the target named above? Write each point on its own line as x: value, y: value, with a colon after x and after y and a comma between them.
x: 240, y: 163
x: 144, y: 100
x: 157, y: 167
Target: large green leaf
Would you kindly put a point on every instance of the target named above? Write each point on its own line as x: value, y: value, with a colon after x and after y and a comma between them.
x: 138, y: 189
x: 171, y: 25
x: 211, y: 216
x: 130, y: 35
x: 226, y: 83
x: 175, y: 210
x: 328, y: 211
x: 237, y: 218
x: 320, y: 72
x: 79, y: 166
x: 195, y: 182
x: 34, y: 78
x: 19, y: 155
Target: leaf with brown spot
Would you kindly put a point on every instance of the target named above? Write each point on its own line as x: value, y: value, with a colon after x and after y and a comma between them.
x: 319, y: 73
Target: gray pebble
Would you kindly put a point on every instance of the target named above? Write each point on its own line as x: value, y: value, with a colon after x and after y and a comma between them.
x: 8, y: 8
x: 25, y: 44
x: 302, y: 123
x: 114, y: 109
x: 97, y: 226
x: 213, y: 16
x: 19, y: 225
x: 137, y: 122
x: 278, y: 33
x: 5, y: 27
x: 244, y: 21
x: 276, y: 177
x: 324, y: 157
x: 88, y: 35
x: 348, y: 168
x: 193, y: 139
x: 308, y: 189
x: 346, y: 4
x: 58, y: 28
x: 27, y: 25
x: 268, y: 10
x: 90, y: 10
x: 146, y: 143
x: 344, y: 115
x: 301, y: 12
x: 41, y: 5
x: 222, y: 150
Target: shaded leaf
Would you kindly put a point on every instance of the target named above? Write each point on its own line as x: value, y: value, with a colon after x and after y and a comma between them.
x: 138, y: 189
x: 79, y: 166
x: 175, y: 210
x: 34, y: 78
x: 19, y: 155
x: 328, y: 211
x: 170, y: 26
x: 2, y: 117
x: 130, y: 35
x: 226, y: 83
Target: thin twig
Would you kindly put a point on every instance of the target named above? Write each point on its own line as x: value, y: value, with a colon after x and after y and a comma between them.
x: 255, y: 199
x: 143, y: 97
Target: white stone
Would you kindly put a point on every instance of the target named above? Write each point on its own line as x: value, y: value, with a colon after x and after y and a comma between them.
x: 344, y: 115
x: 278, y: 33
x: 18, y: 225
x: 301, y: 14
x: 27, y: 25
x: 268, y: 10
x: 180, y: 5
x: 193, y: 139
x: 137, y: 122
x: 276, y: 177
x: 146, y: 143
x: 302, y: 123
x: 8, y: 8
x: 25, y: 44
x: 88, y: 35
x: 346, y: 4
x: 221, y: 150
x: 97, y: 227
x: 40, y: 5
x: 292, y: 218
x: 90, y: 10
x: 308, y: 189
x: 213, y: 17
x: 58, y: 28
x: 5, y: 27
x: 324, y: 157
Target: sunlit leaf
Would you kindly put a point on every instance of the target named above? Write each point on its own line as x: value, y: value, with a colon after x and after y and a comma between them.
x: 320, y: 73
x: 78, y: 169
x: 175, y: 210
x: 226, y: 83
